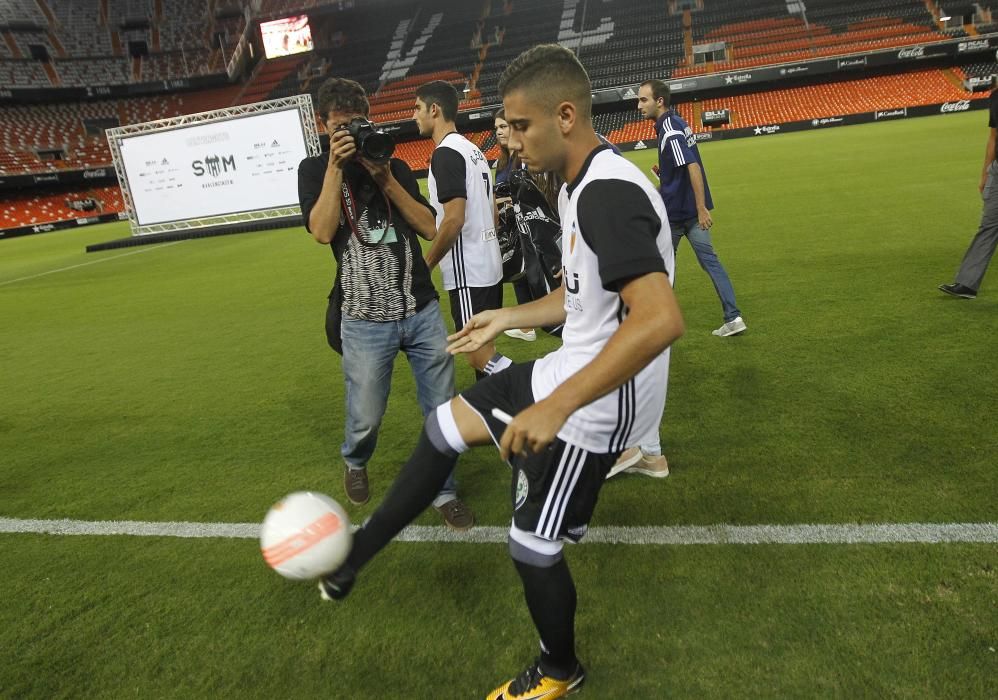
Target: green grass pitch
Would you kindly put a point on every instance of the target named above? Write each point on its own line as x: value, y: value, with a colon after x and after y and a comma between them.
x: 192, y: 382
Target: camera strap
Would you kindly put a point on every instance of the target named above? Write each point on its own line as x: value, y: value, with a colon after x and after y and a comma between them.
x: 352, y: 215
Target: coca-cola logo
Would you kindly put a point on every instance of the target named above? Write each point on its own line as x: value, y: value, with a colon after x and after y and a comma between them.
x: 90, y: 174
x: 958, y: 106
x: 914, y: 52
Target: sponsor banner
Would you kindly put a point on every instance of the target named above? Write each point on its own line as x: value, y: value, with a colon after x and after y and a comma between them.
x: 979, y: 83
x: 896, y: 113
x: 958, y: 106
x: 715, y: 117
x: 850, y: 63
x: 973, y: 45
x: 71, y: 94
x: 93, y: 176
x: 825, y: 122
x: 57, y: 225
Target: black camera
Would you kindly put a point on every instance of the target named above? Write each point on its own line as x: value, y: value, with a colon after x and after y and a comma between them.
x: 372, y: 143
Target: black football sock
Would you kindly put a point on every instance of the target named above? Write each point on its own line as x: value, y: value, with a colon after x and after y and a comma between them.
x: 414, y: 489
x: 550, y: 594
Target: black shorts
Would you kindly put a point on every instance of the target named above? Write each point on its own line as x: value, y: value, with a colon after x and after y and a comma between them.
x: 465, y: 302
x: 554, y: 492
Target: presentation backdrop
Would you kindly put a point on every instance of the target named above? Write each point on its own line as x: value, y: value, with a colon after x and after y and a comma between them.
x: 241, y: 164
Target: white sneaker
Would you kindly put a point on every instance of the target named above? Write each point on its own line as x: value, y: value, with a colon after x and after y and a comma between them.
x: 627, y: 459
x: 530, y: 336
x: 654, y: 466
x: 732, y: 327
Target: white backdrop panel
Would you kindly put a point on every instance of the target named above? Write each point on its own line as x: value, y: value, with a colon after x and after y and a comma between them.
x: 240, y: 164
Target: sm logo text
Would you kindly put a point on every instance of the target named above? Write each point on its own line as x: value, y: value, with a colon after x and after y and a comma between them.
x: 214, y: 165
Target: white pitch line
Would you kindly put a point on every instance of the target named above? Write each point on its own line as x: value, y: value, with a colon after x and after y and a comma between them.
x: 882, y: 533
x: 92, y: 262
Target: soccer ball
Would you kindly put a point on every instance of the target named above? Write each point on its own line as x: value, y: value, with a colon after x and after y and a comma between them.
x: 305, y: 535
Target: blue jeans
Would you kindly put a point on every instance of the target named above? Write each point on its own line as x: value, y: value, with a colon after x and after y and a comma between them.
x: 704, y: 250
x: 369, y: 350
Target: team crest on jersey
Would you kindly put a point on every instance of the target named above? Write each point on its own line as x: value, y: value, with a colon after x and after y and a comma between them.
x: 522, y: 488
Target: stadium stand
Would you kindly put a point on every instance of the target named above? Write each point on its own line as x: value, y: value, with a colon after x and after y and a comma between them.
x: 468, y: 44
x: 767, y: 33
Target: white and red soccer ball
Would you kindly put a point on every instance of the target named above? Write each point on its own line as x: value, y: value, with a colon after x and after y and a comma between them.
x: 305, y: 535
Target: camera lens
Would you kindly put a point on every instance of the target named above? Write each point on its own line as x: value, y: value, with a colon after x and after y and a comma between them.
x: 378, y: 146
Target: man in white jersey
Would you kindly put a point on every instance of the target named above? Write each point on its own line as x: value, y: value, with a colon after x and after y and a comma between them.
x: 562, y: 421
x: 466, y: 247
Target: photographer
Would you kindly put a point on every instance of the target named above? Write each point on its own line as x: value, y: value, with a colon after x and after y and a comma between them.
x: 369, y: 208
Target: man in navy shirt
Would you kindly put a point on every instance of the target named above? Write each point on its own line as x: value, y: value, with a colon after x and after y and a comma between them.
x: 683, y: 185
x: 982, y: 247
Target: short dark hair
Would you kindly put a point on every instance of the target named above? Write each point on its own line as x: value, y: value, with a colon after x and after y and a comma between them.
x: 442, y: 94
x: 551, y: 70
x: 342, y: 95
x: 659, y: 90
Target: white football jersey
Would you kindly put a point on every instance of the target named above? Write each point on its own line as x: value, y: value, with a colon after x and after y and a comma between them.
x: 614, y: 227
x: 474, y: 260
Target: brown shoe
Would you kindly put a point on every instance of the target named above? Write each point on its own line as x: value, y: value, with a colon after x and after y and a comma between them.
x: 355, y: 483
x: 457, y: 514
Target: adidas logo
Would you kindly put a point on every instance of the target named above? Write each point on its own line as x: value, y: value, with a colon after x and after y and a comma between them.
x: 629, y: 92
x: 639, y: 145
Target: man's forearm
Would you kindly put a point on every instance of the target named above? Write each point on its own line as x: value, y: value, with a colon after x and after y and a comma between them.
x: 549, y: 310
x: 324, y: 219
x: 696, y: 182
x: 989, y: 153
x: 418, y: 216
x: 447, y: 234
